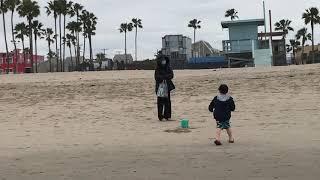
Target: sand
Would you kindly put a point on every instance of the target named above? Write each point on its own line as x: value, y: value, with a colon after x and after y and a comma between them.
x: 103, y: 125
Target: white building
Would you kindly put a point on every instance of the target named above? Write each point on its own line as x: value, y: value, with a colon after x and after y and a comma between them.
x: 178, y: 48
x: 122, y: 58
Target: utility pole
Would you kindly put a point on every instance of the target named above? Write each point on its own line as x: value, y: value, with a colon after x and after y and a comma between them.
x: 104, y: 51
x: 271, y: 39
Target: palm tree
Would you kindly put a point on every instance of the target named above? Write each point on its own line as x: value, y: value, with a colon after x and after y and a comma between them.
x: 21, y: 31
x: 74, y: 28
x: 66, y: 9
x: 284, y: 26
x: 137, y: 23
x: 52, y: 8
x: 12, y: 5
x: 51, y: 54
x: 29, y: 9
x: 195, y: 24
x: 3, y: 11
x: 304, y: 36
x: 124, y: 28
x: 84, y: 18
x: 91, y: 28
x: 38, y: 31
x: 59, y: 10
x: 77, y: 8
x: 293, y: 46
x: 89, y: 21
x: 312, y: 17
x: 100, y: 58
x: 232, y: 13
x: 48, y: 33
x: 70, y: 40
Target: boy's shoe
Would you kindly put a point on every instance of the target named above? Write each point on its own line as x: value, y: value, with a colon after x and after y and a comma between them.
x: 218, y: 143
x: 231, y: 141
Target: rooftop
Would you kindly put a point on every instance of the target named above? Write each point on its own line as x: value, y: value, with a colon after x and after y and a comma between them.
x: 169, y: 35
x: 258, y: 22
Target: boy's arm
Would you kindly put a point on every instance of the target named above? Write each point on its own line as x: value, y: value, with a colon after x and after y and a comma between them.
x: 232, y: 105
x: 212, y: 105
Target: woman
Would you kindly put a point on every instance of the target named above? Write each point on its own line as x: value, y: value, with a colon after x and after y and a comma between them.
x: 164, y: 73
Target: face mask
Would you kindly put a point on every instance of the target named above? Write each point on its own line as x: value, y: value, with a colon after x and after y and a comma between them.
x: 163, y: 62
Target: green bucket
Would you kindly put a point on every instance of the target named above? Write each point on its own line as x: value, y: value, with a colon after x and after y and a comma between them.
x: 185, y: 123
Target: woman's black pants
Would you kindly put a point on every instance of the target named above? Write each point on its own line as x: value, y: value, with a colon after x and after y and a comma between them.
x: 164, y: 107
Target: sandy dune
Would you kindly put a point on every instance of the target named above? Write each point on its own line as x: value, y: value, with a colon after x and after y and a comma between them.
x: 103, y: 125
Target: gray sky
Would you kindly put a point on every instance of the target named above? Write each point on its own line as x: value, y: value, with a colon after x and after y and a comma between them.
x: 170, y: 17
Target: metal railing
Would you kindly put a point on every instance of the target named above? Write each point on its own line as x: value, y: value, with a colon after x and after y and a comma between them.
x: 243, y: 46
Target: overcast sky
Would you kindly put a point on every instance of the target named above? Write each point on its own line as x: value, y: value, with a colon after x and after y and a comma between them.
x: 161, y: 17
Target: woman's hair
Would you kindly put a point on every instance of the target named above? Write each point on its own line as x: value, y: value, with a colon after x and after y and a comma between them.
x: 161, y: 58
x: 223, y: 89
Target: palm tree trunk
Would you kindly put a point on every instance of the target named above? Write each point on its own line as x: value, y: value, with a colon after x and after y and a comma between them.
x: 31, y: 45
x: 50, y: 63
x: 90, y: 46
x: 294, y: 55
x: 136, y: 52
x: 125, y: 45
x: 194, y: 36
x: 302, y: 58
x: 56, y: 37
x: 24, y: 54
x: 75, y: 55
x: 70, y: 48
x: 64, y: 44
x: 14, y: 44
x: 36, y: 52
x: 5, y: 40
x: 84, y: 48
x: 312, y: 29
x: 78, y: 45
x: 60, y: 51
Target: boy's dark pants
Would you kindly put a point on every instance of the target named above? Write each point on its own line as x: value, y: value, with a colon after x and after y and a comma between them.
x: 164, y: 107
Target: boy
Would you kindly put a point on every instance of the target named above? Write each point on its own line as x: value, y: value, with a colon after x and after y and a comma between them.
x: 222, y: 106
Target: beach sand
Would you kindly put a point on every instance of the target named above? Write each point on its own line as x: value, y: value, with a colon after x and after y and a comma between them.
x: 103, y: 125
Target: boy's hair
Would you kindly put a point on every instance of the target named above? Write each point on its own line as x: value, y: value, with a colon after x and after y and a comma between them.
x: 223, y: 89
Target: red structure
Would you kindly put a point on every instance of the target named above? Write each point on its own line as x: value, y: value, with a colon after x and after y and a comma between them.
x: 18, y: 62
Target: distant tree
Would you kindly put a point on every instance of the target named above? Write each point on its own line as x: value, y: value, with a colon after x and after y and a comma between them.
x: 137, y: 23
x: 232, y: 13
x: 48, y: 34
x: 77, y: 8
x: 29, y: 9
x: 293, y: 46
x: 125, y: 28
x: 3, y: 11
x: 90, y: 23
x: 38, y: 32
x: 304, y: 36
x: 21, y: 32
x: 12, y: 6
x: 70, y: 40
x: 52, y: 8
x: 284, y: 26
x: 195, y: 24
x: 311, y: 16
x: 100, y: 58
x: 75, y: 27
